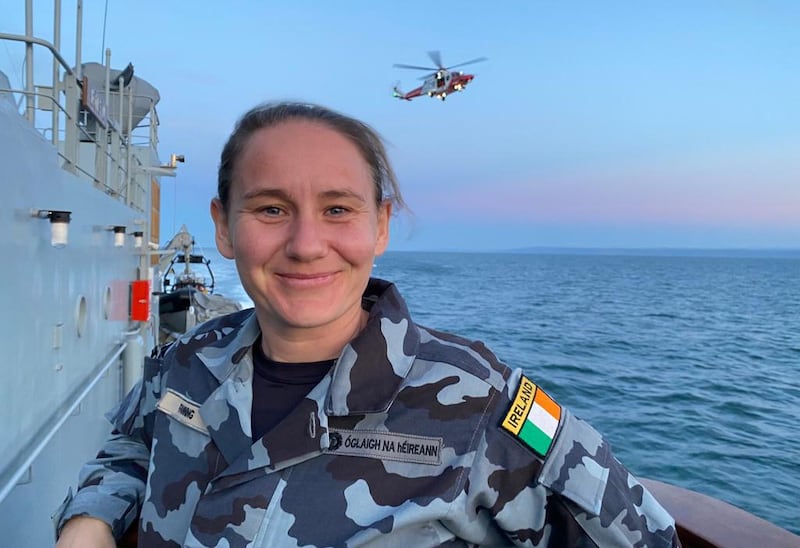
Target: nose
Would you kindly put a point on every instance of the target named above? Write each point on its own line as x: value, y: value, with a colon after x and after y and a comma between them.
x: 306, y: 239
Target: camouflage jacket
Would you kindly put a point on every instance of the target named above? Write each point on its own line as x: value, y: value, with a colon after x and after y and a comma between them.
x: 415, y: 438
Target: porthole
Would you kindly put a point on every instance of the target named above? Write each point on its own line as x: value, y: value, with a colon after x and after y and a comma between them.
x: 107, y: 303
x: 80, y: 315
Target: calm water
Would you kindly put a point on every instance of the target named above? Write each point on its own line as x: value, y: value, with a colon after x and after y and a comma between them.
x: 689, y: 365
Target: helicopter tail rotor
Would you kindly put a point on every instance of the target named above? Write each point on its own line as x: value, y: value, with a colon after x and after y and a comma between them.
x: 398, y: 93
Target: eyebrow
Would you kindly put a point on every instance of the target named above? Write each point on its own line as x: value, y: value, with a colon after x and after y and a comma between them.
x: 283, y: 195
x: 266, y: 193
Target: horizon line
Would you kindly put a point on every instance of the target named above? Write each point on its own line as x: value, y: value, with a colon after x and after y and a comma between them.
x: 790, y: 251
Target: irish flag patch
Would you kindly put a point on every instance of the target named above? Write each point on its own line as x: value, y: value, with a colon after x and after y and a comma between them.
x: 533, y: 417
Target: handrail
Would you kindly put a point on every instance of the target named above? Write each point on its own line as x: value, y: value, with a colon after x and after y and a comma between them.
x: 705, y: 522
x: 92, y: 176
x: 62, y: 414
x: 39, y: 42
x: 115, y: 171
x: 129, y: 140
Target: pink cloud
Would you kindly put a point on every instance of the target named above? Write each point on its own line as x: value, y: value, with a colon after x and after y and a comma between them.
x: 706, y: 194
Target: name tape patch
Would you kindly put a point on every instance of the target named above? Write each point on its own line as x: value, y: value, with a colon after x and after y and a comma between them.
x: 533, y: 417
x: 183, y: 410
x: 385, y: 446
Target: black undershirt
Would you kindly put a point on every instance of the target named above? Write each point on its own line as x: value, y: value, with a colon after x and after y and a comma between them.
x: 278, y: 387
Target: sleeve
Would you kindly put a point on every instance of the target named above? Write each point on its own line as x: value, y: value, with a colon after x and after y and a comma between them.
x: 111, y: 486
x: 547, y: 478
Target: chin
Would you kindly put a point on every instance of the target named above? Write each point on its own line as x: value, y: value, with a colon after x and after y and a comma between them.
x: 308, y: 319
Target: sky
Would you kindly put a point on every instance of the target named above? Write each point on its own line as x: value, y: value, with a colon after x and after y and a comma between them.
x: 592, y: 124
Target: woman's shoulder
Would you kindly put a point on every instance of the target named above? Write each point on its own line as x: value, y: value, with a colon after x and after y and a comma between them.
x: 199, y: 352
x: 224, y: 324
x: 218, y: 332
x: 457, y: 353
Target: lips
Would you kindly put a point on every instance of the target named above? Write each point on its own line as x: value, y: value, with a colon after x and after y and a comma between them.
x: 305, y: 280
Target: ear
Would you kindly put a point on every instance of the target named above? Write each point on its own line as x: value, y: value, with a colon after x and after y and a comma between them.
x: 382, y: 239
x: 221, y: 231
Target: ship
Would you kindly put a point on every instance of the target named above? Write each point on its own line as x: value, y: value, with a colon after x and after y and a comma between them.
x: 85, y: 279
x: 88, y: 289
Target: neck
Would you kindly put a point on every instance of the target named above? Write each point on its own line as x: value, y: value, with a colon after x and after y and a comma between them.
x: 302, y: 345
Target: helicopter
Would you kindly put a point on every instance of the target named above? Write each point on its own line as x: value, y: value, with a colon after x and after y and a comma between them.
x: 439, y: 83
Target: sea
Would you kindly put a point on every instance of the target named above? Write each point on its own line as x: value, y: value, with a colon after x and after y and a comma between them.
x: 687, y: 361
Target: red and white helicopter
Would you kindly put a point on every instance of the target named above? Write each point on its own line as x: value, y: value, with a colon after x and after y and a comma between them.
x: 439, y: 83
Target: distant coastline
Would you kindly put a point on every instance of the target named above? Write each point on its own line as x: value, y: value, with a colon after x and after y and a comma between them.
x: 787, y: 253
x: 665, y: 251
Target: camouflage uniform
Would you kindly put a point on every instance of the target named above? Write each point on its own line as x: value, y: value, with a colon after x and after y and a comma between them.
x: 405, y: 443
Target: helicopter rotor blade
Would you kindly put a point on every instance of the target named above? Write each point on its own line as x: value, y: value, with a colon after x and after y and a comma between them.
x: 399, y: 65
x: 436, y: 57
x: 478, y: 60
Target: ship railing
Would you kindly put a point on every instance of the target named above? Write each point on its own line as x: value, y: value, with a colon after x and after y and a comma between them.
x: 79, y: 119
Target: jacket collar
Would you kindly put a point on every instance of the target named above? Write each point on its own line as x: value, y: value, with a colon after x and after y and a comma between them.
x: 234, y: 344
x: 222, y: 346
x: 371, y: 368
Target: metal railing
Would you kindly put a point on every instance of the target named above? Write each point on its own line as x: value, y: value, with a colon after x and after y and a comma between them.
x: 73, y: 125
x: 11, y: 475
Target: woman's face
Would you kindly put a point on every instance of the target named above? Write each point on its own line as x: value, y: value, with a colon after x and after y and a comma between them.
x: 303, y: 226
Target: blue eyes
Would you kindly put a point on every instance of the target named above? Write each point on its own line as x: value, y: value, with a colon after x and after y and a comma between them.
x: 276, y: 211
x: 271, y: 211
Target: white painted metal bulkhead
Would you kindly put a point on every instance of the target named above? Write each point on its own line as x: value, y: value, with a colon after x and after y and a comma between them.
x: 65, y: 323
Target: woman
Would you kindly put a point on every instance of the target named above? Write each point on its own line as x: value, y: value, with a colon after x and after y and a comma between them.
x: 325, y: 416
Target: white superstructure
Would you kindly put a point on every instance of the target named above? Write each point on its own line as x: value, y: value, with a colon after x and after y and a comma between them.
x: 77, y: 146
